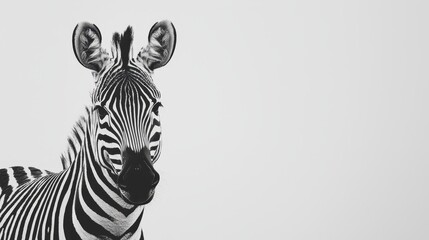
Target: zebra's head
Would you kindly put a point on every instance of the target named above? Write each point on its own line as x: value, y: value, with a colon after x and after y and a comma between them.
x: 126, y: 104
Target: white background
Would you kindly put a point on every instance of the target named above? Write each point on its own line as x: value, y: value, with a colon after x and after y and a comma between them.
x: 282, y: 119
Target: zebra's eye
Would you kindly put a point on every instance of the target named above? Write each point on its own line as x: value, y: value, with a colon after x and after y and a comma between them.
x: 156, y: 106
x: 102, y: 113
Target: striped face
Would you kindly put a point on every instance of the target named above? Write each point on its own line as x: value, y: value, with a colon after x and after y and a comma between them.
x: 126, y: 105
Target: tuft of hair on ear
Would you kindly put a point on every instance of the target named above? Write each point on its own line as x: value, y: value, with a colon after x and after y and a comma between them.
x: 91, y: 52
x: 123, y: 45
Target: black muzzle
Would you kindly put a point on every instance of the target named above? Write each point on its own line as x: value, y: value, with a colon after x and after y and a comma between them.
x: 138, y: 178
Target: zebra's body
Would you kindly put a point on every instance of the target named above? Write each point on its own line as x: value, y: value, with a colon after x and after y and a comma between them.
x: 109, y: 174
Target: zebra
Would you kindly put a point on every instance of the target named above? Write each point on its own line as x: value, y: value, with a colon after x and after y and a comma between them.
x: 108, y: 175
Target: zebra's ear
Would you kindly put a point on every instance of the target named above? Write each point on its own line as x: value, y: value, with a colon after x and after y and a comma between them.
x: 162, y: 42
x: 87, y: 46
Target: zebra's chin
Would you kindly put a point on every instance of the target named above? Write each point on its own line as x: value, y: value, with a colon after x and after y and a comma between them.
x: 137, y: 198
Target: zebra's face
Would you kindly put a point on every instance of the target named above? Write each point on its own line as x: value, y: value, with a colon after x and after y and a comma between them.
x: 126, y: 105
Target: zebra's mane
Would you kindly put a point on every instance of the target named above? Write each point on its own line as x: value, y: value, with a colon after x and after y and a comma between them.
x: 75, y: 140
x: 123, y: 45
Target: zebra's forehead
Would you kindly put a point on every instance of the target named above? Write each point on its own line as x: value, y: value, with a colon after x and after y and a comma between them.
x: 126, y: 85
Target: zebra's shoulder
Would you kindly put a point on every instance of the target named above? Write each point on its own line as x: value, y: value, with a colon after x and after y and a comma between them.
x: 13, y: 177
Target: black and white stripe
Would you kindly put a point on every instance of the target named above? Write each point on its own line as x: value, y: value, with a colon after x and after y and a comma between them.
x: 108, y: 173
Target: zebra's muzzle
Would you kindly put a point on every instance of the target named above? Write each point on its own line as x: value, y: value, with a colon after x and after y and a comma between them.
x: 138, y: 178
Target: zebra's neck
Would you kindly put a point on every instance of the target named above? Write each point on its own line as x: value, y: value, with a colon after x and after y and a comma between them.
x: 96, y: 201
